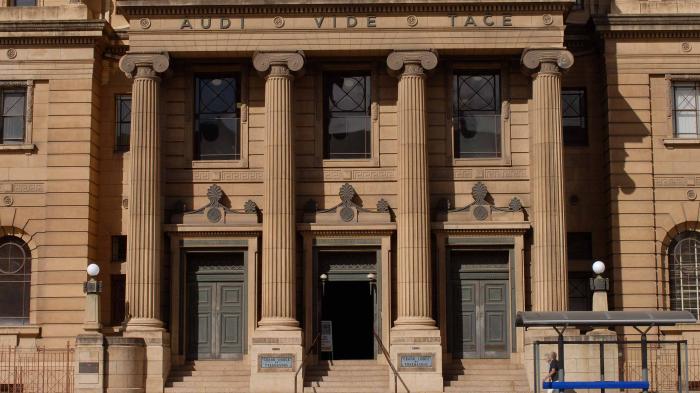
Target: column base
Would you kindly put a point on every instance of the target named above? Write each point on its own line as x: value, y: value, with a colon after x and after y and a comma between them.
x: 89, y: 368
x: 417, y: 355
x: 275, y: 356
x: 278, y: 324
x: 144, y: 324
x: 125, y: 365
x: 414, y: 323
x: 157, y: 361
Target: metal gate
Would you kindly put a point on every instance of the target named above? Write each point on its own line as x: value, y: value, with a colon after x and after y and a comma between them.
x: 36, y: 370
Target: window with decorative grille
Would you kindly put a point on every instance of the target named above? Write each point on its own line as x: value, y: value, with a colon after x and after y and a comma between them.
x: 123, y: 123
x: 686, y: 116
x: 15, y: 281
x: 217, y: 120
x: 13, y: 104
x: 347, y: 109
x: 476, y: 115
x: 573, y: 108
x: 23, y: 3
x: 684, y: 267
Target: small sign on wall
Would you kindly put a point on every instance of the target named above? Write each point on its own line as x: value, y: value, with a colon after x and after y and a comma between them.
x: 416, y: 362
x: 276, y: 362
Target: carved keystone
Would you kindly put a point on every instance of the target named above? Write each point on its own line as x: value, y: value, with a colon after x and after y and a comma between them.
x: 534, y: 58
x: 150, y: 62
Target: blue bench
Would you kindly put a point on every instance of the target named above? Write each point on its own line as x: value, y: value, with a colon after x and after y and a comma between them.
x: 562, y: 385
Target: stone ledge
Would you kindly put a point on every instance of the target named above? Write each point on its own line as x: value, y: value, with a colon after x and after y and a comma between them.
x: 23, y: 148
x: 51, y: 13
x: 24, y: 331
x: 681, y: 141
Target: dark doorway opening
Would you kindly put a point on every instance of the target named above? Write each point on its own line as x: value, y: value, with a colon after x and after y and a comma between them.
x: 349, y: 305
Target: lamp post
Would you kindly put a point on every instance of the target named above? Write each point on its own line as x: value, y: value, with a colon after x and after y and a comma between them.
x: 599, y: 286
x: 324, y: 278
x: 372, y: 278
x: 92, y: 289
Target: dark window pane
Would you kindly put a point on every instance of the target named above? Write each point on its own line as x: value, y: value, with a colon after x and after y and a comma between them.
x: 347, y: 107
x: 580, y: 295
x: 15, y: 281
x: 123, y: 123
x: 12, y: 122
x: 119, y: 248
x: 579, y: 245
x: 477, y: 115
x: 573, y: 108
x: 23, y: 3
x: 684, y: 275
x: 685, y: 107
x: 217, y: 119
x: 118, y: 298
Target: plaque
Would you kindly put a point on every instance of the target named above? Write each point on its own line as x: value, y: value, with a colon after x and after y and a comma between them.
x: 276, y: 362
x: 88, y: 368
x: 416, y: 362
x: 326, y: 336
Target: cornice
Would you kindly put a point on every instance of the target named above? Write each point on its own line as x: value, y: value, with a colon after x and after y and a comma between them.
x: 136, y: 8
x: 68, y: 32
x: 648, y: 26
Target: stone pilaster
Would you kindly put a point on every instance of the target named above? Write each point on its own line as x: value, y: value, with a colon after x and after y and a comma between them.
x: 278, y: 294
x: 144, y: 243
x: 549, y: 260
x: 414, y: 303
x: 414, y: 334
x: 278, y: 336
x: 145, y: 216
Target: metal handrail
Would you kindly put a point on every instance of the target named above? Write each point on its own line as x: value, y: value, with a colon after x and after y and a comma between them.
x: 303, y: 361
x: 391, y: 364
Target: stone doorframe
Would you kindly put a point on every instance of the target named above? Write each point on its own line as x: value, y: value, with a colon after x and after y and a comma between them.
x: 180, y: 244
x: 511, y: 240
x: 344, y: 240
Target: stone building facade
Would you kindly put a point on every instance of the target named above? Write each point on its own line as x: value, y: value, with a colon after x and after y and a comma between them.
x: 247, y: 174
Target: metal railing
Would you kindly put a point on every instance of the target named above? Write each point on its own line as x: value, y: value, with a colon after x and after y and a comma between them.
x: 305, y: 359
x: 36, y: 370
x: 397, y: 377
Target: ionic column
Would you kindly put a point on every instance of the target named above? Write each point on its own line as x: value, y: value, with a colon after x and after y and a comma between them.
x: 414, y: 300
x: 144, y: 245
x: 549, y: 259
x: 278, y: 255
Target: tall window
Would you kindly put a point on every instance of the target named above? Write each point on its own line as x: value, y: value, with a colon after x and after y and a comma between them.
x: 217, y: 118
x: 23, y: 3
x: 15, y: 281
x: 347, y: 107
x: 684, y: 267
x: 119, y: 248
x: 13, y: 103
x: 118, y: 298
x: 573, y: 108
x: 685, y: 108
x: 476, y: 115
x: 123, y: 123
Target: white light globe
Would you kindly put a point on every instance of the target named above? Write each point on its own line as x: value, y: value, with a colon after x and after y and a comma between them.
x: 93, y: 270
x: 598, y: 267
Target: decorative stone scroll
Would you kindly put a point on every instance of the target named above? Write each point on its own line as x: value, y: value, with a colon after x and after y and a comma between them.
x: 481, y: 209
x: 534, y: 58
x: 146, y: 64
x: 347, y: 211
x: 262, y: 61
x: 215, y: 212
x: 397, y: 60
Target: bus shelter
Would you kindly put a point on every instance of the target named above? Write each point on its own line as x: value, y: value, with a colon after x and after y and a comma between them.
x: 642, y: 321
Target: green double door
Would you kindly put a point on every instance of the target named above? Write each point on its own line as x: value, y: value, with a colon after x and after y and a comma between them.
x: 216, y: 309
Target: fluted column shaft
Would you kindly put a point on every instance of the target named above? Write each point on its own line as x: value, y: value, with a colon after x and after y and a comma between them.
x: 278, y: 243
x: 145, y: 217
x: 413, y: 270
x: 549, y: 257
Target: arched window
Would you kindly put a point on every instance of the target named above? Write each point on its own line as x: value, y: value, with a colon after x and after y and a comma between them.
x: 15, y: 281
x: 684, y: 267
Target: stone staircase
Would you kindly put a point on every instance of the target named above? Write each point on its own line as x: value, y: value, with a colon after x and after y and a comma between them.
x: 485, y: 375
x: 347, y: 376
x: 209, y: 376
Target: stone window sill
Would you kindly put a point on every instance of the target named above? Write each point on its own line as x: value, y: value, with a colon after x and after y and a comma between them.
x: 681, y: 141
x: 219, y: 164
x: 19, y: 148
x: 347, y: 162
x: 26, y: 330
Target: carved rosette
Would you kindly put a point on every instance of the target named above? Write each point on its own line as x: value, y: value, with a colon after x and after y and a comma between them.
x: 412, y: 62
x: 145, y: 64
x: 546, y: 59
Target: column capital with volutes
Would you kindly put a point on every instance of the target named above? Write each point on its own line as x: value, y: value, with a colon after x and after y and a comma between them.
x: 551, y: 60
x: 279, y: 63
x: 412, y: 62
x: 144, y: 64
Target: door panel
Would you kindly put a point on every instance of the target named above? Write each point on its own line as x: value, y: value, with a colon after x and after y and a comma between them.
x: 231, y: 311
x: 480, y: 323
x: 201, y: 313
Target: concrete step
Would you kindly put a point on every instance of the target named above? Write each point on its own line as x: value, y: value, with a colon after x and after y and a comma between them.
x: 346, y: 383
x: 215, y: 365
x: 344, y: 390
x: 374, y: 378
x: 208, y: 384
x: 203, y: 389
